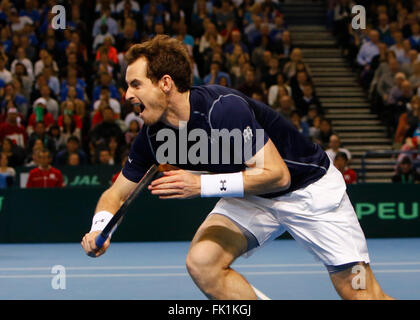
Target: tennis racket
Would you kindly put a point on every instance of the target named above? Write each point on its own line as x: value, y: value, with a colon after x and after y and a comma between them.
x: 154, y: 172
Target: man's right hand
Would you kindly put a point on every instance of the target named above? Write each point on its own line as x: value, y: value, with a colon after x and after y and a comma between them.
x: 89, y: 245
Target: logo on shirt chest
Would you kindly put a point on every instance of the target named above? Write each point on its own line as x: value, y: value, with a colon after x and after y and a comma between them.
x: 247, y: 134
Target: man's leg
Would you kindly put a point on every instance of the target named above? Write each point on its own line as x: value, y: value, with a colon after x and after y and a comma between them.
x: 217, y: 243
x: 358, y: 283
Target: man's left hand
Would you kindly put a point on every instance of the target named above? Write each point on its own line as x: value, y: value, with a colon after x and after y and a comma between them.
x: 176, y: 184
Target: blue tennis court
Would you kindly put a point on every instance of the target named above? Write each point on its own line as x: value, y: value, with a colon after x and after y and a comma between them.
x: 156, y: 270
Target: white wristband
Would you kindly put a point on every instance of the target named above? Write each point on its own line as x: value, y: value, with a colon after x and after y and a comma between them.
x: 100, y: 220
x: 222, y: 185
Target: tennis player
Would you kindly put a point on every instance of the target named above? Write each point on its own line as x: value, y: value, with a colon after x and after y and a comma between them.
x: 297, y: 189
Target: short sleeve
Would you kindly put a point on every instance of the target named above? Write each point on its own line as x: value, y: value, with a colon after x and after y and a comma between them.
x: 232, y: 112
x: 139, y: 159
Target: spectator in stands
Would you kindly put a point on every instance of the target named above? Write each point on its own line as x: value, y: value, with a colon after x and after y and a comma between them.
x: 100, y: 37
x: 386, y: 82
x: 106, y: 129
x: 40, y: 113
x: 341, y: 17
x: 384, y: 30
x: 123, y: 161
x: 185, y: 38
x: 68, y: 126
x: 133, y: 116
x: 415, y: 36
x: 223, y: 14
x: 73, y: 160
x: 236, y: 41
x: 13, y: 130
x: 290, y: 68
x: 15, y: 154
x: 368, y: 50
x: 285, y: 48
x: 396, y: 90
x: 51, y: 104
x: 250, y: 85
x: 45, y: 176
x: 114, y: 147
x: 52, y: 81
x: 105, y: 80
x: 299, y: 124
x: 406, y: 121
x: 406, y: 173
x: 210, y: 36
x: 341, y: 163
x: 132, y: 132
x: 21, y: 57
x: 72, y: 69
x: 398, y: 47
x: 105, y: 19
x: 269, y: 78
x: 55, y: 134
x: 7, y: 174
x: 296, y: 83
x: 310, y: 117
x: 274, y: 90
x: 104, y: 156
x: 325, y: 133
x: 383, y: 68
x: 408, y: 67
x: 308, y: 100
x: 72, y: 147
x: 105, y: 97
x: 286, y: 107
x: 414, y: 130
x: 404, y: 98
x: 215, y: 74
x: 41, y: 134
x: 22, y: 82
x: 30, y: 11
x: 5, y: 41
x: 415, y: 77
x: 68, y: 108
x: 277, y: 30
x: 128, y: 35
x: 18, y: 99
x: 109, y: 50
x: 335, y: 147
x: 253, y: 30
x: 81, y: 49
x: 5, y: 74
x: 261, y: 59
x: 30, y: 50
x: 394, y: 110
x: 51, y: 46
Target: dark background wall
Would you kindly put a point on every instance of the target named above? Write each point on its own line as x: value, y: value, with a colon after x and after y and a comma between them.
x: 64, y: 215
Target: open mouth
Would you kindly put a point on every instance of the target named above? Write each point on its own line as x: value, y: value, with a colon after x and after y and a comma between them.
x: 138, y: 107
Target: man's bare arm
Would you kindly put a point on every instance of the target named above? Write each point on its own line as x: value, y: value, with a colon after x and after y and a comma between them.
x: 267, y: 172
x: 113, y: 198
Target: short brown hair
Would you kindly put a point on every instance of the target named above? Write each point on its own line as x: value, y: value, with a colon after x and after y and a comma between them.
x: 164, y: 55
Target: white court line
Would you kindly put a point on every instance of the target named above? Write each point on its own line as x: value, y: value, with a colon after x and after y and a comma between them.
x: 407, y: 263
x: 134, y: 275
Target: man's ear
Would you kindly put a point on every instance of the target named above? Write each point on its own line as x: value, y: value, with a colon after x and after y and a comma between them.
x: 165, y: 83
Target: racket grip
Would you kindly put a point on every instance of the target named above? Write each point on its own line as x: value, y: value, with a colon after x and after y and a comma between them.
x: 100, y: 240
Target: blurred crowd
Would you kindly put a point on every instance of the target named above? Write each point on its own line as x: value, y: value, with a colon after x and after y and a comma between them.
x: 62, y: 91
x: 386, y: 56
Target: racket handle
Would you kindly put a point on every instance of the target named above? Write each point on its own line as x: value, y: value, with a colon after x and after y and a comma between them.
x: 100, y: 240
